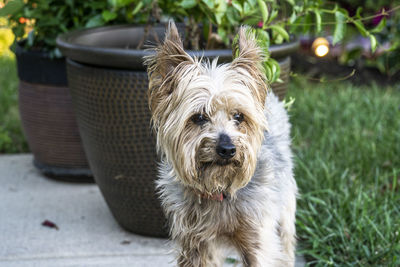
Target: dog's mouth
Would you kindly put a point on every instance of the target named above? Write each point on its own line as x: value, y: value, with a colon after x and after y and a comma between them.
x: 221, y: 163
x: 216, y: 177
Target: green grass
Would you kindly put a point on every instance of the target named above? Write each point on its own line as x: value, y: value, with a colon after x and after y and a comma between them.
x: 11, y: 137
x: 346, y: 143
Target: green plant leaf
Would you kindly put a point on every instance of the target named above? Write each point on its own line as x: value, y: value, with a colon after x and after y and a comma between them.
x: 112, y: 3
x: 291, y: 2
x: 220, y: 10
x: 69, y: 3
x: 268, y: 71
x: 222, y: 7
x: 95, y: 21
x: 340, y: 27
x: 307, y: 20
x: 360, y: 27
x: 358, y: 12
x: 232, y: 17
x: 272, y: 70
x: 246, y: 8
x: 253, y: 3
x: 11, y: 8
x: 373, y: 41
x: 380, y: 26
x: 318, y: 20
x: 188, y: 4
x: 277, y: 70
x: 138, y: 7
x: 293, y: 17
x: 264, y: 10
x: 218, y: 18
x: 108, y: 15
x: 209, y: 3
x: 273, y: 15
x: 120, y: 3
x: 251, y: 21
x: 236, y: 4
x: 19, y: 31
x: 63, y: 27
x: 222, y: 33
x: 263, y: 39
x: 280, y: 31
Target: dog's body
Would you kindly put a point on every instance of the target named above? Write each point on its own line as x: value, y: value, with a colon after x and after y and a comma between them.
x: 226, y: 176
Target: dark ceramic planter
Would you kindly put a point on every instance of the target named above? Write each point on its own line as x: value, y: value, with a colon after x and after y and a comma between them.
x: 108, y: 83
x: 48, y: 119
x: 114, y: 47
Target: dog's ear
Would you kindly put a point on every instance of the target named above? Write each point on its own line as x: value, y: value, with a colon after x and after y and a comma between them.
x: 171, y: 53
x: 250, y: 57
x: 161, y: 66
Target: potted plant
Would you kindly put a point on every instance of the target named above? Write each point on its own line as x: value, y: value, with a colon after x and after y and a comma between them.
x: 109, y: 86
x: 45, y: 104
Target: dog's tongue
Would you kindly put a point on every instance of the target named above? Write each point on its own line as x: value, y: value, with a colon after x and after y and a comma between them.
x: 217, y: 196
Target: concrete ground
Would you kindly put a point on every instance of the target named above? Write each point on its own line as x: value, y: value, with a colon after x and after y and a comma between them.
x: 87, y: 233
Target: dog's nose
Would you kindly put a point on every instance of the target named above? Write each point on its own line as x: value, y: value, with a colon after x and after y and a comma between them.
x: 225, y: 148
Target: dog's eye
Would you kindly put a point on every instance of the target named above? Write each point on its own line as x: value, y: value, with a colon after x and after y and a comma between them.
x: 238, y: 117
x: 199, y: 119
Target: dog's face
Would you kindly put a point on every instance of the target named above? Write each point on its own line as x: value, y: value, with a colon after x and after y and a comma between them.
x: 209, y: 119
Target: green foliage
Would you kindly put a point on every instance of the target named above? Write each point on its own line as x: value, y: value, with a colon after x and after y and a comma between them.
x: 272, y: 19
x: 340, y: 27
x: 6, y: 39
x: 220, y: 19
x: 11, y: 137
x: 346, y: 145
x: 49, y: 18
x: 385, y: 58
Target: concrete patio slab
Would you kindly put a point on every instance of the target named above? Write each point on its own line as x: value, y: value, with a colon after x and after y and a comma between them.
x: 88, y: 235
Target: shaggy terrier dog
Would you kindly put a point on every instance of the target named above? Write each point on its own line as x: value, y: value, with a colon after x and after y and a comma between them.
x: 226, y: 173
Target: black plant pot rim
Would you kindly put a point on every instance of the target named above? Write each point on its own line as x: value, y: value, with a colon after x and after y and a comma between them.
x: 36, y: 66
x: 20, y: 49
x: 71, y: 46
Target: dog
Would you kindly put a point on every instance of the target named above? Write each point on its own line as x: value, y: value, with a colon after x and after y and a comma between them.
x: 225, y: 178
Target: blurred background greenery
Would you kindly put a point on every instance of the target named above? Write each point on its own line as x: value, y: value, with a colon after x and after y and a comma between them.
x: 6, y: 39
x: 11, y: 136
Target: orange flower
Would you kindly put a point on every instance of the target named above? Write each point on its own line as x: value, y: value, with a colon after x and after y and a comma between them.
x: 22, y: 20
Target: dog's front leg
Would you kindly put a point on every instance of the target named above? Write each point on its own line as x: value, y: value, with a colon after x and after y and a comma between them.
x: 259, y: 245
x: 198, y: 254
x: 247, y: 242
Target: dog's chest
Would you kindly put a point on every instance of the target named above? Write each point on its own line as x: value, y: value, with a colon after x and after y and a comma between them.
x: 226, y: 216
